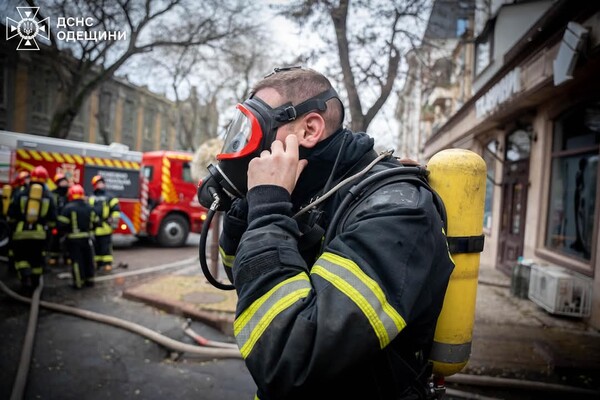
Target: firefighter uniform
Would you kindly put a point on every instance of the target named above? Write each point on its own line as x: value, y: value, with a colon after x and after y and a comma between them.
x: 355, y: 319
x: 55, y: 249
x: 20, y: 184
x: 78, y: 219
x: 31, y: 215
x: 108, y: 211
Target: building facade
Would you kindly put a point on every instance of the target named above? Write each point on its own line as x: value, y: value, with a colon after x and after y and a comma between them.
x: 534, y: 116
x: 116, y: 111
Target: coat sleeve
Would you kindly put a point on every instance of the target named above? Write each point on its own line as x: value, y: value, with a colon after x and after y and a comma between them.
x: 292, y: 320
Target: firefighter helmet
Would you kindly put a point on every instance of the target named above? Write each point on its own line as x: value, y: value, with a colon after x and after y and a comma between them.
x: 39, y: 174
x: 75, y: 192
x: 21, y: 177
x: 96, y: 179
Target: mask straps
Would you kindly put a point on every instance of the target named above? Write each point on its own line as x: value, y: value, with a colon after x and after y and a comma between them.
x: 288, y: 112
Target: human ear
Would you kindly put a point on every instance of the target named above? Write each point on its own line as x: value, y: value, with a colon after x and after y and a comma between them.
x: 313, y: 126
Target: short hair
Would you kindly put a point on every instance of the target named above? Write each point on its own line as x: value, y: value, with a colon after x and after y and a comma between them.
x: 299, y: 84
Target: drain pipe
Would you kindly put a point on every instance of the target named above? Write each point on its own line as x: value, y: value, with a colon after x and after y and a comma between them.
x: 21, y: 379
x: 171, y: 344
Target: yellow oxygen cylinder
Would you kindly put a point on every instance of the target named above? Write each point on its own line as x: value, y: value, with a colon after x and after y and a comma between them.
x: 34, y: 203
x: 459, y: 177
x: 6, y: 195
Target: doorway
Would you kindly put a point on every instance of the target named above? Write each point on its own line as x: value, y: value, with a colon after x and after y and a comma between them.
x: 515, y: 185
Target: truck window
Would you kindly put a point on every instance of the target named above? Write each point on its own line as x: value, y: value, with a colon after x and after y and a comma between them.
x: 148, y: 171
x: 186, y: 172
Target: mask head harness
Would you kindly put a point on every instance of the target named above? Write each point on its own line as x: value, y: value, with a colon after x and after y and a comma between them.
x: 254, y: 129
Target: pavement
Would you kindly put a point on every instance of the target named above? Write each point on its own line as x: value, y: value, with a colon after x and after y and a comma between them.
x: 513, y: 338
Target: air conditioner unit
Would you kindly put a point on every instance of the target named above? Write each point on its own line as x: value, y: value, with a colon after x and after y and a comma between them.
x: 560, y: 291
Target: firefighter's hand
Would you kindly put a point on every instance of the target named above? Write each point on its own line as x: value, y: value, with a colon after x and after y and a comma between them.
x: 280, y: 167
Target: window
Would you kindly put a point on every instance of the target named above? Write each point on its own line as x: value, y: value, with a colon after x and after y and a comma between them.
x: 40, y: 90
x: 573, y: 182
x: 483, y: 50
x: 490, y: 162
x: 129, y: 116
x: 186, y: 172
x: 147, y: 172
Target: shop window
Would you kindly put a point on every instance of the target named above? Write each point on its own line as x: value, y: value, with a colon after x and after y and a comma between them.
x: 573, y: 183
x: 490, y: 162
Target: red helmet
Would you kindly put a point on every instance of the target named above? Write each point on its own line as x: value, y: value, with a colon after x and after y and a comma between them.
x: 39, y: 174
x: 21, y: 177
x: 96, y: 179
x: 75, y: 192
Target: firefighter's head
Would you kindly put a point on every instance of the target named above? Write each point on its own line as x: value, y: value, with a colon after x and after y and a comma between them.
x: 23, y: 178
x: 98, y: 182
x: 75, y: 192
x: 39, y: 175
x: 61, y: 180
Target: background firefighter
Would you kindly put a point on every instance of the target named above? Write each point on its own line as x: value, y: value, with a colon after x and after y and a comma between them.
x: 78, y: 220
x: 108, y: 211
x: 31, y: 214
x: 55, y: 248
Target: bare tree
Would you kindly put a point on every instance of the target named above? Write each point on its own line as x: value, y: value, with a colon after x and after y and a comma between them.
x: 147, y: 25
x: 370, y: 39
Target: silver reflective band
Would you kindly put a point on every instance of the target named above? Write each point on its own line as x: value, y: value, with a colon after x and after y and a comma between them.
x: 450, y: 353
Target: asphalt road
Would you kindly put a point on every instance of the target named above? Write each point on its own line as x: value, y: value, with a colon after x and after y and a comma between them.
x: 75, y: 358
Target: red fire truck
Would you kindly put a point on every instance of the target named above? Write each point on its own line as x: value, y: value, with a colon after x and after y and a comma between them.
x: 156, y: 192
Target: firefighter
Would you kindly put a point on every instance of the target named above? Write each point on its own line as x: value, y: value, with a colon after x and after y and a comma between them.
x: 108, y: 211
x: 31, y: 214
x: 350, y: 314
x: 20, y: 183
x: 78, y: 220
x: 60, y: 200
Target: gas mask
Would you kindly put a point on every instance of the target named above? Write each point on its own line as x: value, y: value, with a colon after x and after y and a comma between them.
x: 252, y: 130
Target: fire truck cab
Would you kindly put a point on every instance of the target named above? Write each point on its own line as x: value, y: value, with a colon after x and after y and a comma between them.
x: 168, y: 194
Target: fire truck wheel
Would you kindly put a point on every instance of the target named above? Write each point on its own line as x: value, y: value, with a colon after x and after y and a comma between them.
x: 174, y: 231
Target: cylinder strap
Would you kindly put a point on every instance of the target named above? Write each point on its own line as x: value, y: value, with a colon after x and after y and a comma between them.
x: 465, y: 244
x: 450, y: 353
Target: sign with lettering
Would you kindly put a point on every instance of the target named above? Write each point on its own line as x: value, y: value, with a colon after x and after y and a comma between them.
x: 122, y: 183
x: 499, y: 94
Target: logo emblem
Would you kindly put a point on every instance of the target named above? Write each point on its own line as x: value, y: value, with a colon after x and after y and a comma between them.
x: 28, y: 28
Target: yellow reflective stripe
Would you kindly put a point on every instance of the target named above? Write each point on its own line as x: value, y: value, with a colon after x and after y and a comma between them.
x: 227, y: 259
x: 21, y: 264
x: 127, y: 164
x: 23, y: 154
x: 58, y: 157
x: 37, y: 270
x: 69, y: 159
x: 252, y: 322
x: 36, y: 155
x: 89, y: 160
x: 349, y: 279
x: 74, y: 226
x: 33, y: 234
x: 107, y: 162
x: 135, y: 165
x: 78, y: 159
x: 99, y: 161
x: 45, y: 207
x: 63, y: 219
x: 78, y: 235
x: 113, y: 202
x: 47, y: 156
x: 118, y: 163
x: 77, y: 274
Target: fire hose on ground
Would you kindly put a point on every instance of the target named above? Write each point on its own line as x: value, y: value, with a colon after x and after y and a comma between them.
x: 224, y: 350
x: 220, y: 350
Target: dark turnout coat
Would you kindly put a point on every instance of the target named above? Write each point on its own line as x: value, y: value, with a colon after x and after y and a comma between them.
x: 357, y: 319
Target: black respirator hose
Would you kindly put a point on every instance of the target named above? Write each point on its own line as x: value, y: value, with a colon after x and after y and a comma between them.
x: 202, y: 245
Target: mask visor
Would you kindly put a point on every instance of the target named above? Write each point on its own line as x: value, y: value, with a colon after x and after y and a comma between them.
x: 243, y: 135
